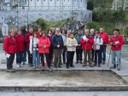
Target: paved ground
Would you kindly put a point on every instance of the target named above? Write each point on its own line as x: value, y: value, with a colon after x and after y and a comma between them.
x: 64, y: 94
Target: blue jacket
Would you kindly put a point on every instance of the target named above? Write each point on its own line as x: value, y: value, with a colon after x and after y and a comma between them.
x: 78, y: 38
x: 57, y: 40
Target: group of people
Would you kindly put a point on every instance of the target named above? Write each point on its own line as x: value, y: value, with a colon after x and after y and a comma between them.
x: 59, y: 46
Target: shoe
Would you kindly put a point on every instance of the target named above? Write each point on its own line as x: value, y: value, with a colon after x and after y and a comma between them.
x: 72, y: 66
x: 99, y: 65
x: 118, y: 67
x: 113, y: 67
x: 84, y: 65
x: 77, y: 62
x: 11, y: 70
x: 67, y: 67
x: 103, y: 62
x: 18, y: 65
x: 59, y: 66
x: 80, y: 62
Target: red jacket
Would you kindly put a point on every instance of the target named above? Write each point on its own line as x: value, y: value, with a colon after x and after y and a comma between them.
x: 119, y: 39
x: 10, y: 45
x: 20, y: 40
x: 39, y: 35
x: 27, y: 39
x: 44, y: 41
x: 87, y: 45
x: 104, y: 36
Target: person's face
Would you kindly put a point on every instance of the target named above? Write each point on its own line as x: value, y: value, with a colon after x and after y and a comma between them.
x: 35, y: 35
x: 39, y: 30
x: 57, y: 32
x: 79, y: 32
x: 43, y: 35
x: 92, y: 31
x: 31, y: 30
x: 115, y: 33
x: 72, y: 36
x: 86, y: 33
x: 63, y: 32
x: 12, y: 34
x: 50, y: 32
x: 97, y: 34
x: 19, y: 32
x: 101, y: 30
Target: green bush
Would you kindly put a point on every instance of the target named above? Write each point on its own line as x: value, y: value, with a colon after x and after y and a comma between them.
x: 93, y: 25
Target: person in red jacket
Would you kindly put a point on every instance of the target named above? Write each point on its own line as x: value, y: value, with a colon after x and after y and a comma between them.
x: 27, y: 42
x: 116, y: 42
x: 87, y: 42
x: 43, y: 49
x: 39, y: 32
x: 20, y: 40
x: 10, y: 49
x: 104, y: 37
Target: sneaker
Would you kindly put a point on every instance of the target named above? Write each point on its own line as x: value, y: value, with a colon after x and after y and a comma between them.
x: 113, y: 67
x: 72, y: 66
x: 99, y: 65
x: 18, y: 65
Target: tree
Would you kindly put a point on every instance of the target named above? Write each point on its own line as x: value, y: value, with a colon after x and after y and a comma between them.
x: 90, y: 5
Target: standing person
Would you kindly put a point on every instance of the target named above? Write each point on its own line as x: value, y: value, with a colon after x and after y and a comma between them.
x: 71, y: 48
x: 79, y: 47
x: 116, y: 42
x: 10, y: 49
x: 50, y: 35
x: 24, y: 32
x: 58, y: 44
x: 33, y: 48
x: 20, y: 40
x: 104, y: 36
x: 64, y: 48
x: 92, y: 31
x: 27, y: 40
x: 44, y: 45
x: 97, y: 48
x: 39, y: 32
x: 87, y: 42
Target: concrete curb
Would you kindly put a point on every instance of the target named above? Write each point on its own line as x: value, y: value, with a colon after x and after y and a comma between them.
x: 64, y: 89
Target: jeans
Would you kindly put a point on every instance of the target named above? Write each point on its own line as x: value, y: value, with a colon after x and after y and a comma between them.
x: 10, y: 61
x: 116, y: 55
x: 24, y: 56
x: 19, y: 57
x: 98, y: 57
x: 35, y: 58
x: 103, y: 54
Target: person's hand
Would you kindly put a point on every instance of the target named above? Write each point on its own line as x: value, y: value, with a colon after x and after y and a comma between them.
x: 79, y: 45
x: 58, y: 46
x: 44, y: 46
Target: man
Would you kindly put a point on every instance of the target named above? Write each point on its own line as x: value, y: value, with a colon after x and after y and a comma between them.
x: 39, y: 32
x: 104, y: 36
x: 27, y: 40
x: 92, y: 31
x: 58, y: 44
x: 79, y: 48
x: 116, y: 42
x: 87, y: 41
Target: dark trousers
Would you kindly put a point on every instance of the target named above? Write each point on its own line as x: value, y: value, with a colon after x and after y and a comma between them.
x: 19, y: 57
x: 10, y: 61
x: 93, y: 55
x: 98, y: 57
x: 64, y: 54
x: 24, y: 56
x: 70, y: 55
x: 29, y: 57
x: 79, y: 54
x: 51, y: 54
x: 47, y: 60
x: 103, y: 54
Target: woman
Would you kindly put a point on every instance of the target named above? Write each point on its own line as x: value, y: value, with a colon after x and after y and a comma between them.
x: 33, y: 48
x: 44, y: 45
x: 50, y: 35
x: 10, y: 50
x: 97, y: 47
x: 64, y: 48
x: 71, y: 48
x: 20, y: 40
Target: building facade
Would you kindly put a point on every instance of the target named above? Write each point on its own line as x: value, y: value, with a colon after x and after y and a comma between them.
x: 23, y: 12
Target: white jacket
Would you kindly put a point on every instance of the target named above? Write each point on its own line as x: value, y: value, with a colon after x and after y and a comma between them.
x: 33, y: 44
x: 71, y: 44
x: 64, y: 37
x: 99, y: 42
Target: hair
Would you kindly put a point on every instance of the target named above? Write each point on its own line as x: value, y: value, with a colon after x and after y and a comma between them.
x: 116, y: 30
x: 43, y: 33
x: 97, y: 32
x: 11, y: 30
x: 34, y: 33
